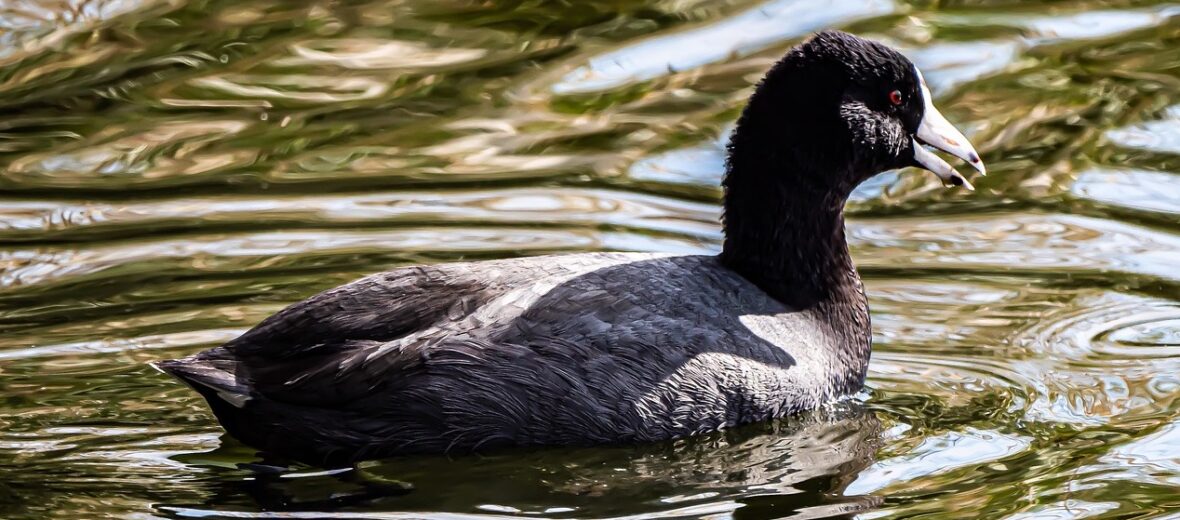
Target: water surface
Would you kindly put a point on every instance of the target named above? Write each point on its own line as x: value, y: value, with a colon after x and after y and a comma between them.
x: 174, y: 171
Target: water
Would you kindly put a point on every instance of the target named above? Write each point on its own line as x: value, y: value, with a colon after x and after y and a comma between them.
x: 173, y: 171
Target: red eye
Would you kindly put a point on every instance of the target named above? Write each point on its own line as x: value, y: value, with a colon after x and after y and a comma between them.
x: 895, y: 97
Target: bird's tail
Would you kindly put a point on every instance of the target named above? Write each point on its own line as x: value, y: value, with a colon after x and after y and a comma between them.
x: 309, y: 435
x: 216, y: 379
x: 225, y: 386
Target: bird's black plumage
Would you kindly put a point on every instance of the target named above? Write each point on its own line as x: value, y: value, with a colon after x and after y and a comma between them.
x: 600, y: 347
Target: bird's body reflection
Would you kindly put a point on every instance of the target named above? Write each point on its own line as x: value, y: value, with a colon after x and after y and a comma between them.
x: 793, y: 467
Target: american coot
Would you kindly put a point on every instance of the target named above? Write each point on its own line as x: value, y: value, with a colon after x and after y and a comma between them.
x: 608, y: 347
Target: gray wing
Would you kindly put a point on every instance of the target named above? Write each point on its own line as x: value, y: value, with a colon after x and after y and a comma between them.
x: 341, y: 344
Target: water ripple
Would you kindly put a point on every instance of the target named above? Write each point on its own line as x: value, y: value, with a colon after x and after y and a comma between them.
x: 82, y: 348
x: 736, y: 35
x: 1151, y: 193
x: 34, y: 270
x: 1153, y: 458
x: 367, y: 54
x: 176, y: 171
x: 939, y: 454
x: 118, y: 158
x: 1016, y: 242
x: 1162, y: 136
x: 569, y: 206
x: 1107, y: 327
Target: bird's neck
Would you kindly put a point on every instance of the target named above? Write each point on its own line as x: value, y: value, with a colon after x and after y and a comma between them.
x: 788, y: 239
x: 788, y: 174
x: 786, y: 234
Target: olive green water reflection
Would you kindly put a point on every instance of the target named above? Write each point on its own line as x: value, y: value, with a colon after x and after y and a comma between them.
x: 173, y: 171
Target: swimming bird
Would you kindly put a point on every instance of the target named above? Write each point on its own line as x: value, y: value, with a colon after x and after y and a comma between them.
x: 596, y: 348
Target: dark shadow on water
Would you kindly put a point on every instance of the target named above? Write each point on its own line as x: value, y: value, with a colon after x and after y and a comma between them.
x: 797, y: 466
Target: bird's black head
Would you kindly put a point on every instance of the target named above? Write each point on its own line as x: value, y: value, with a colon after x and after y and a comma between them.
x: 836, y: 110
x: 839, y: 109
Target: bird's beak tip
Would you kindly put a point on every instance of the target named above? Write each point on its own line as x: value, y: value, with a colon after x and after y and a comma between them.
x: 936, y: 132
x: 977, y: 163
